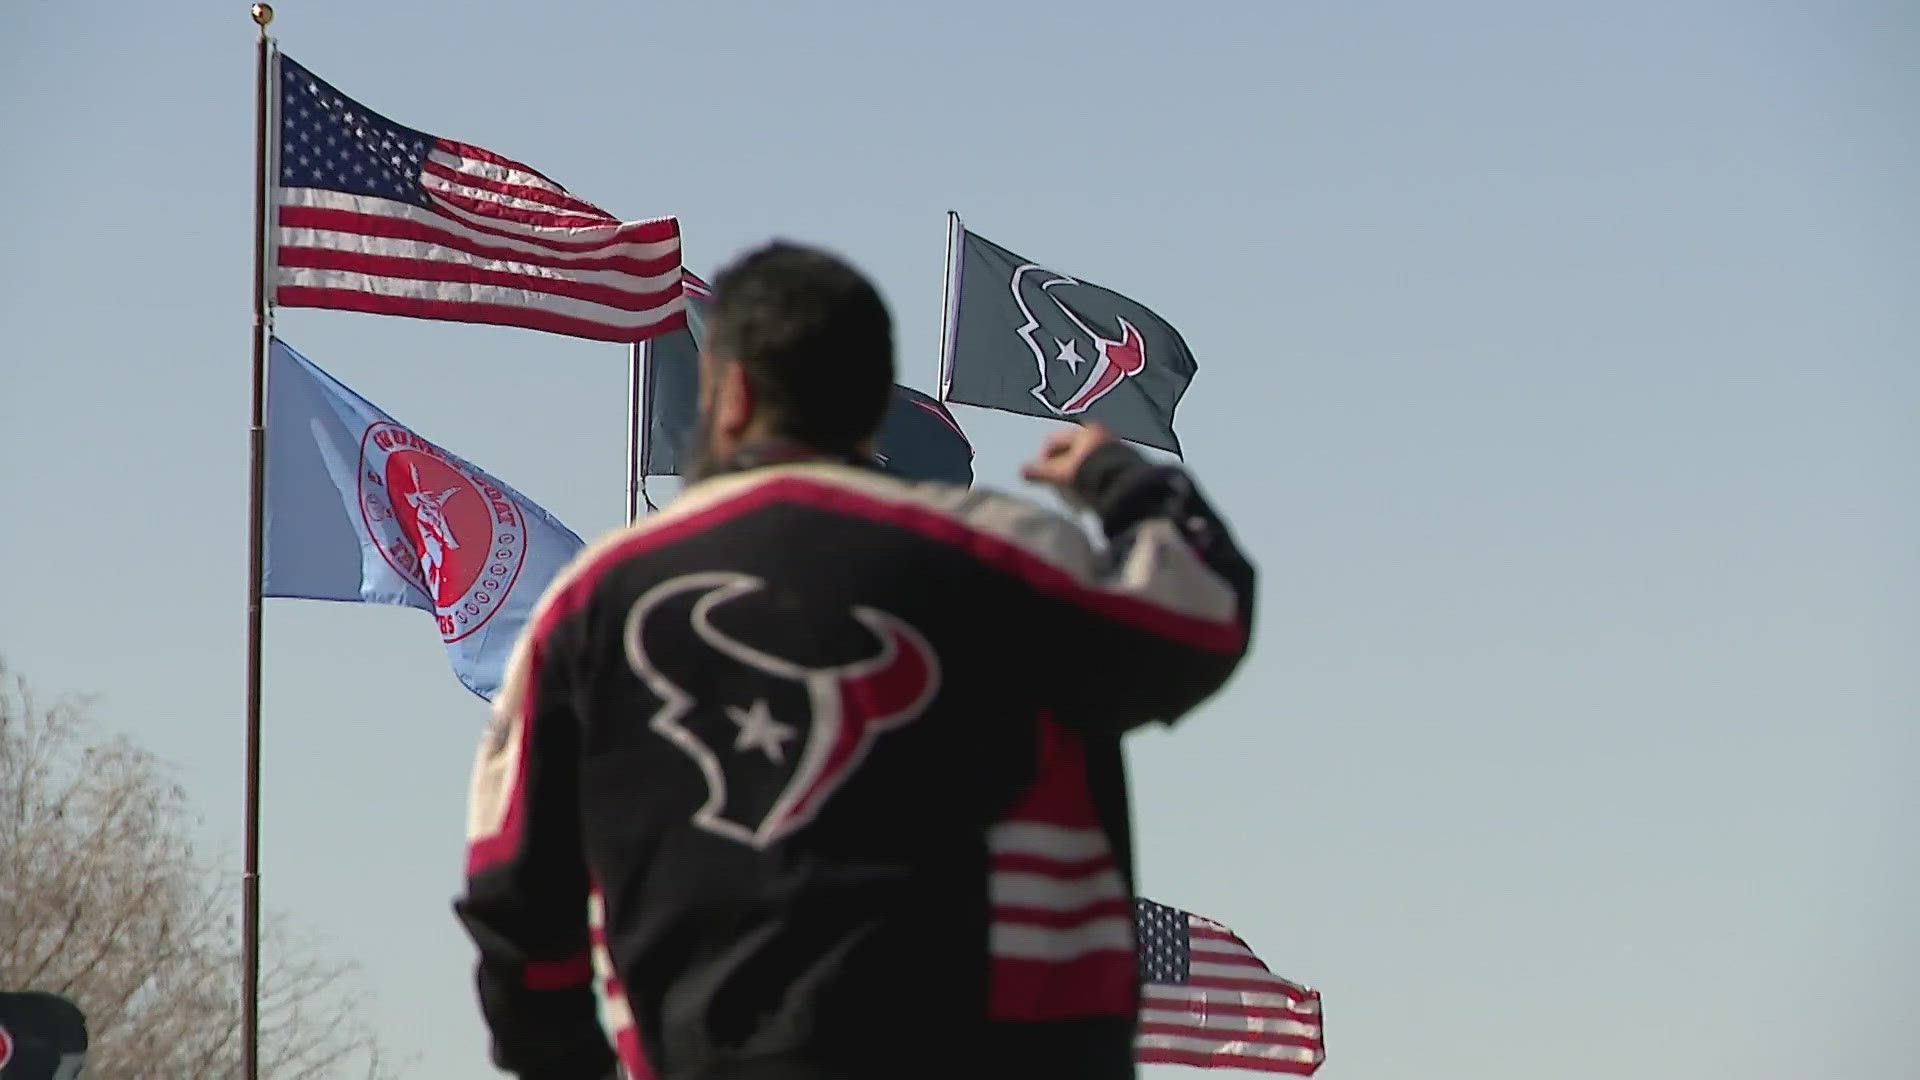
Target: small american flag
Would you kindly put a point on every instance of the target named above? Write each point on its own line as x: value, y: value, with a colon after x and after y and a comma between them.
x: 1206, y: 1000
x: 374, y: 216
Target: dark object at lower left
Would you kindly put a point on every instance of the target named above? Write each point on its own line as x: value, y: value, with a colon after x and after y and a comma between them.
x: 42, y: 1037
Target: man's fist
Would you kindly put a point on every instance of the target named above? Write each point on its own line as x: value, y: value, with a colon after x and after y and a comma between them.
x: 1063, y: 453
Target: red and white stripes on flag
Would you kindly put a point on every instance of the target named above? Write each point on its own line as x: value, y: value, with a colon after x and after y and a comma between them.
x: 1225, y: 1010
x: 376, y: 217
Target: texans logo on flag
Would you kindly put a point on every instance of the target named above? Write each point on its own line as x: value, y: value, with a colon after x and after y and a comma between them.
x: 1078, y: 364
x: 1029, y: 340
x: 774, y: 739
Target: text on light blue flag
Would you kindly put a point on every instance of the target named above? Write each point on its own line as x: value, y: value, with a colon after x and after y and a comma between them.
x: 361, y: 509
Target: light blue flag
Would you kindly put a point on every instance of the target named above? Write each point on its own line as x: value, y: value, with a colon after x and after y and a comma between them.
x: 361, y: 509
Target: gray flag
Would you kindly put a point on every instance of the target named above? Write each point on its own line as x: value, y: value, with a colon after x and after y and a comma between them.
x: 1027, y: 339
x: 918, y: 440
x: 673, y: 393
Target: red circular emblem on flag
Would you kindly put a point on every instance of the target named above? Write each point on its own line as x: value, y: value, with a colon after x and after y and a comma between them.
x: 442, y: 526
x: 6, y: 1046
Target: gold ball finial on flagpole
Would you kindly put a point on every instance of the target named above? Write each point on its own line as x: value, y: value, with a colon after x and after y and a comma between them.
x: 263, y: 14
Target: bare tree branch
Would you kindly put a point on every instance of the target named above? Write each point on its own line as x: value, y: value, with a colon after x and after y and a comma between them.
x: 107, y: 903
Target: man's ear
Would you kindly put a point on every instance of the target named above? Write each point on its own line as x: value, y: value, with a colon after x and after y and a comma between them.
x: 734, y: 405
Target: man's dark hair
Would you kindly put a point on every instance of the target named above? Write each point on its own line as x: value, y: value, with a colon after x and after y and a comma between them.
x: 814, y: 339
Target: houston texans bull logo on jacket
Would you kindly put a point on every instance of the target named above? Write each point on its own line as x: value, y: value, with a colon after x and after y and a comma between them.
x: 786, y: 734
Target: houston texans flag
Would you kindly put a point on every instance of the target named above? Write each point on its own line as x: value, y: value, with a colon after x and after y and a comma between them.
x: 361, y: 509
x: 1024, y: 338
x: 375, y: 216
x: 919, y: 438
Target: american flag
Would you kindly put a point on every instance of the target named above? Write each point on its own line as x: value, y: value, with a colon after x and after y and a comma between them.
x: 1206, y: 1000
x: 374, y: 216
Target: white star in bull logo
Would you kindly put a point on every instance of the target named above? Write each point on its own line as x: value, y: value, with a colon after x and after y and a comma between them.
x: 1070, y: 354
x: 760, y: 731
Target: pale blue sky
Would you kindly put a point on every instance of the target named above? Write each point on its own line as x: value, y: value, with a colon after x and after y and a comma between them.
x: 1557, y: 365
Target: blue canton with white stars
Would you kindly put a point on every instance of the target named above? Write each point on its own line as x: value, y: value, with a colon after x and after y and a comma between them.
x: 328, y: 140
x: 1165, y: 950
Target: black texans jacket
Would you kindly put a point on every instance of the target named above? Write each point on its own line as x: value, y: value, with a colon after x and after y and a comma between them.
x: 817, y: 773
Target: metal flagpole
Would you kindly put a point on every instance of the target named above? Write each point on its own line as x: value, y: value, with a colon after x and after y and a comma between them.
x: 638, y: 392
x: 645, y: 423
x: 256, y: 499
x: 632, y: 433
x: 947, y: 326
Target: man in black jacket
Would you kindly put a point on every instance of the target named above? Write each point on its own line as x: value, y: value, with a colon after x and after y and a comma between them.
x: 816, y: 773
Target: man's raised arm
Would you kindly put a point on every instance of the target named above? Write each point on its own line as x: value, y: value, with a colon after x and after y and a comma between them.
x: 1162, y: 618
